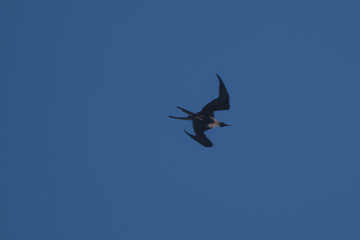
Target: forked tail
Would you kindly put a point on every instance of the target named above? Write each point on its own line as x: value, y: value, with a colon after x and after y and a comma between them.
x: 190, y: 117
x: 182, y: 118
x: 186, y: 111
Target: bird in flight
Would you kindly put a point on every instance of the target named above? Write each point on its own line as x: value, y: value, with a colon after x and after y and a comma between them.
x: 205, y: 120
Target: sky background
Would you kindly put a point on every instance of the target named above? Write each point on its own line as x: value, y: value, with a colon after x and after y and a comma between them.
x: 87, y: 149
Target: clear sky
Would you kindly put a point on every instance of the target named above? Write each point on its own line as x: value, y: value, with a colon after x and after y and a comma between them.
x: 87, y: 149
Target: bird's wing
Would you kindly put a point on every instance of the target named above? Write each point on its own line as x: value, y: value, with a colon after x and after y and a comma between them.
x: 221, y: 103
x: 200, y: 138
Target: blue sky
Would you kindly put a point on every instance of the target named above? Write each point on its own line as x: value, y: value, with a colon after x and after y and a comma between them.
x: 88, y: 151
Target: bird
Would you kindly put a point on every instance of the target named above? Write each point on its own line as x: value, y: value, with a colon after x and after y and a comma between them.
x: 205, y: 119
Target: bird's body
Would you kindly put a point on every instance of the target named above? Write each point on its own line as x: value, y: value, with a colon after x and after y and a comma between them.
x: 205, y: 120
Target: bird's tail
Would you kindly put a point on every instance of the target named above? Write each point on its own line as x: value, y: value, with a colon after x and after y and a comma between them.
x: 186, y: 111
x: 190, y: 117
x: 182, y: 118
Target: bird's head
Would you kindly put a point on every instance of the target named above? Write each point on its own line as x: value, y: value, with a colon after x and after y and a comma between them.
x: 223, y: 124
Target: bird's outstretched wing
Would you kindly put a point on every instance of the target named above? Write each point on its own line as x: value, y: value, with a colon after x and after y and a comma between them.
x: 200, y: 138
x: 221, y: 103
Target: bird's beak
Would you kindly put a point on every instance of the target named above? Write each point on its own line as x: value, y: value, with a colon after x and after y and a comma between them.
x: 225, y: 125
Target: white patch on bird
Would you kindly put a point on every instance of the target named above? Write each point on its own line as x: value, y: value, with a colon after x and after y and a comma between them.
x: 212, y: 125
x: 216, y: 123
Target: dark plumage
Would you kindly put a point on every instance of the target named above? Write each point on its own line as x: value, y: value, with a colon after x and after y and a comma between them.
x: 205, y: 120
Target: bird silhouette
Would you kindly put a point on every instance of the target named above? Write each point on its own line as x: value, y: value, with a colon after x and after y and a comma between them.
x: 205, y: 120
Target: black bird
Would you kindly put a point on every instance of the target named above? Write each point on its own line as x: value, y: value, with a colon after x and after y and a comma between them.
x: 205, y: 120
